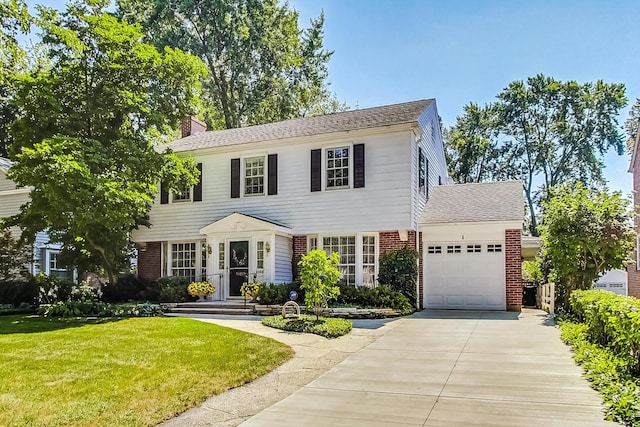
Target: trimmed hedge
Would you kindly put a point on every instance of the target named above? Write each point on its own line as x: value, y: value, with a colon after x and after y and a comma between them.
x: 382, y: 296
x: 613, y: 321
x: 326, y: 327
x: 98, y: 309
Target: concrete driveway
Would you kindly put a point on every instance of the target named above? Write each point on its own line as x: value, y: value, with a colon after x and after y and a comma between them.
x: 449, y: 368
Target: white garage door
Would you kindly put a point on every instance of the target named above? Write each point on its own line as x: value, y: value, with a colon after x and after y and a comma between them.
x: 465, y: 276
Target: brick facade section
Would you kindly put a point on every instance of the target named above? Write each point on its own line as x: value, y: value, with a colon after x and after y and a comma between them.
x: 633, y: 275
x: 513, y: 269
x: 149, y: 261
x: 390, y: 240
x: 299, y: 249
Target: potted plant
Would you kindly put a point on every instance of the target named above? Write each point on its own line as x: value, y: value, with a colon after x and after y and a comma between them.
x: 201, y: 289
x: 250, y: 291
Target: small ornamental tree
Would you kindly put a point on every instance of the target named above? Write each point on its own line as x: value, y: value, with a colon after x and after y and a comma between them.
x: 399, y: 269
x: 585, y: 233
x: 319, y: 274
x: 14, y: 258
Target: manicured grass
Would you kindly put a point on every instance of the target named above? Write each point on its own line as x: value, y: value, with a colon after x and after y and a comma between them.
x: 327, y: 327
x: 131, y: 372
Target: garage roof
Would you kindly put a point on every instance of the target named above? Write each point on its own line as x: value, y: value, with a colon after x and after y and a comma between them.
x: 478, y: 202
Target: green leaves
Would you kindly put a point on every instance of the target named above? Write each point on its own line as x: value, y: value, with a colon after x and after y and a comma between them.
x: 85, y: 137
x: 319, y: 273
x: 585, y: 233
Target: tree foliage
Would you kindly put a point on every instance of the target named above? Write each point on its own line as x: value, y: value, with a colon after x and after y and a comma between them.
x: 399, y: 269
x: 14, y: 20
x: 542, y: 130
x: 318, y: 275
x: 632, y: 124
x: 262, y: 67
x: 84, y: 139
x: 585, y: 233
x: 14, y: 258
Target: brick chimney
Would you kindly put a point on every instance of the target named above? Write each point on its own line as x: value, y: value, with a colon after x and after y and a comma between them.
x: 191, y: 126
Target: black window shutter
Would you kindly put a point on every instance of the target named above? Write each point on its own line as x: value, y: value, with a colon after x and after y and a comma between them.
x: 316, y: 170
x: 272, y: 169
x: 358, y: 166
x: 197, y: 189
x: 164, y: 194
x: 235, y: 178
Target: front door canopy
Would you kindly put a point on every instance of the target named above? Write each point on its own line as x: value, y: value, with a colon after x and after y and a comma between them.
x: 237, y: 222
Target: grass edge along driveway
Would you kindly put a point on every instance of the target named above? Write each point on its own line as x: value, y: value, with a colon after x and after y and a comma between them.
x: 130, y: 372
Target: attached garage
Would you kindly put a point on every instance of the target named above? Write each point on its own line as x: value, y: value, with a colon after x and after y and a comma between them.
x: 471, y: 247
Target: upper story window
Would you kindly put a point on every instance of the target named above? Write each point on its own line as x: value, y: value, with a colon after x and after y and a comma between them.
x: 254, y: 176
x: 181, y: 196
x: 338, y: 167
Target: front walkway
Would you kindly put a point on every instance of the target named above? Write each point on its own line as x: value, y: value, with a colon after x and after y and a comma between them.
x: 449, y: 368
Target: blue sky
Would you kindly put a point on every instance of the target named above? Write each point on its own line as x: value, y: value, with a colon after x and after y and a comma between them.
x: 390, y: 51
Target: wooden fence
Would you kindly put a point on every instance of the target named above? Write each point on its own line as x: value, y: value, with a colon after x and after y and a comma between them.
x: 547, y: 297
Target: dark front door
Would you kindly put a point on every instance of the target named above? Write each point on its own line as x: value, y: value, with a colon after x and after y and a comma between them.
x: 238, y: 266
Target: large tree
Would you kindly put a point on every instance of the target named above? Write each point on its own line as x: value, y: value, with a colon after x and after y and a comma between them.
x: 585, y: 233
x: 545, y: 132
x: 85, y: 136
x: 262, y: 67
x: 14, y: 20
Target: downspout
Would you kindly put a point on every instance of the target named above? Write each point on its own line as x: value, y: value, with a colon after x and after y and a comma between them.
x: 418, y: 269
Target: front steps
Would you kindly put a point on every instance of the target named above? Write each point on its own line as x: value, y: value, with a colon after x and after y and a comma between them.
x: 219, y: 307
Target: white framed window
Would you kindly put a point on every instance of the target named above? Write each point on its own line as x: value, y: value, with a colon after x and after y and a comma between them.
x: 346, y: 247
x: 313, y: 243
x: 337, y: 167
x: 434, y: 249
x: 186, y: 259
x: 368, y: 261
x: 203, y: 261
x: 260, y: 256
x: 494, y: 248
x: 454, y: 249
x: 474, y: 249
x: 182, y: 196
x: 221, y: 256
x: 254, y: 176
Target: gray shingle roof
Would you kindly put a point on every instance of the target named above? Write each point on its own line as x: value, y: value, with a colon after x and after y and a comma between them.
x: 365, y: 118
x: 5, y: 164
x: 488, y: 201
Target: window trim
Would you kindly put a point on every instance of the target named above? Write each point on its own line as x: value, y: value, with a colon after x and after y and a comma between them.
x: 359, y: 253
x: 325, y: 162
x: 201, y: 252
x: 172, y: 199
x: 243, y: 175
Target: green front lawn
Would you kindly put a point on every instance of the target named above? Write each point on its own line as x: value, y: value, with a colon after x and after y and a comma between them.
x: 131, y: 372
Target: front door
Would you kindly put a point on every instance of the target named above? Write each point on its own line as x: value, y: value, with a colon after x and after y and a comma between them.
x: 238, y: 266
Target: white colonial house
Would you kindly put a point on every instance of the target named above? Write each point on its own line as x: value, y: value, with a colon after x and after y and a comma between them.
x: 45, y: 253
x: 354, y: 182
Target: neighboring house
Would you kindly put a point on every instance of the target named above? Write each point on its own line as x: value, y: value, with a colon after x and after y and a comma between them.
x: 45, y: 254
x: 633, y: 269
x: 355, y: 182
x: 614, y: 281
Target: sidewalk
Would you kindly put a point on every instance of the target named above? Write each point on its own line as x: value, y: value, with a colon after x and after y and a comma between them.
x: 314, y: 355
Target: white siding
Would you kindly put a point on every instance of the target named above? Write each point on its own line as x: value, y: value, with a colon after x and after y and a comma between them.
x: 432, y: 145
x: 383, y: 204
x: 284, y: 255
x: 6, y: 184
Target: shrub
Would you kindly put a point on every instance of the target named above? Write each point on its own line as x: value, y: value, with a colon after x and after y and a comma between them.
x: 52, y: 289
x: 319, y: 273
x: 23, y: 308
x: 174, y: 289
x: 98, y: 309
x: 272, y: 294
x: 326, y: 327
x: 399, y: 269
x: 379, y: 297
x: 609, y: 374
x: 131, y: 288
x: 612, y: 321
x: 16, y: 293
